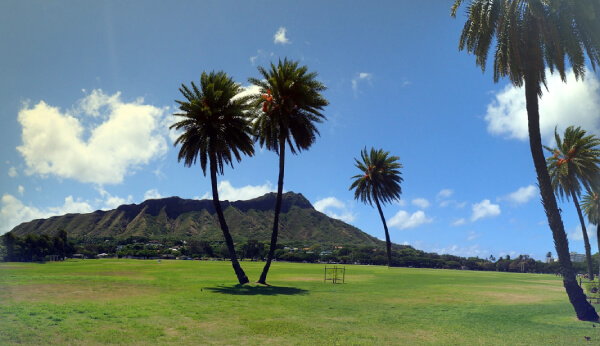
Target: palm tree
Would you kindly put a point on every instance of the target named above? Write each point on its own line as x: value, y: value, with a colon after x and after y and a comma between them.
x: 216, y: 130
x: 591, y: 208
x: 573, y: 165
x: 379, y: 182
x: 531, y: 35
x: 289, y: 105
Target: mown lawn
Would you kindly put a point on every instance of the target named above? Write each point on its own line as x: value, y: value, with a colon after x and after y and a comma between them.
x: 195, y: 302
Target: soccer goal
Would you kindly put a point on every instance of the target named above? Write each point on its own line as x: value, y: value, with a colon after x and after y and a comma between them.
x: 335, y: 274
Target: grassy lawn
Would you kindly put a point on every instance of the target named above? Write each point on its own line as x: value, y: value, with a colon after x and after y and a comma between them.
x: 195, y: 302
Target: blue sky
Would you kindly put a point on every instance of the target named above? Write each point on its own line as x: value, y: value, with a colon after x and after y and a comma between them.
x: 87, y: 93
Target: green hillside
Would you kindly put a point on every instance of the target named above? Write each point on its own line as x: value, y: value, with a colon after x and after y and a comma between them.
x: 175, y: 217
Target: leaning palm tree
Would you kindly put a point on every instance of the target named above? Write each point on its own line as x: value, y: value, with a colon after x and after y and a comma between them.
x: 379, y: 182
x: 216, y: 130
x: 591, y: 207
x: 287, y: 108
x: 531, y: 35
x: 573, y: 165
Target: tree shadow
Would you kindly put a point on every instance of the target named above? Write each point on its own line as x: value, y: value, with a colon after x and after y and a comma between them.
x: 246, y: 290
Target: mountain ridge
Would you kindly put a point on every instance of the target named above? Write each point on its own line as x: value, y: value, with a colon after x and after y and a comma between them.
x: 186, y: 218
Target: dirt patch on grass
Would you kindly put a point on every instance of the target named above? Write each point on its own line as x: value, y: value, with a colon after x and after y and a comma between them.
x: 512, y: 297
x: 67, y: 293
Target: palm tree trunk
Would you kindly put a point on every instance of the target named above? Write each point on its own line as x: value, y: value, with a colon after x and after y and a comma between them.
x: 388, y: 243
x: 598, y: 239
x: 583, y: 309
x: 275, y: 233
x: 586, y: 240
x: 239, y: 272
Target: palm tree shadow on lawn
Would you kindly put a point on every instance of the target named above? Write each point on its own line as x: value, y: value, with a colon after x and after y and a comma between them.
x: 246, y: 290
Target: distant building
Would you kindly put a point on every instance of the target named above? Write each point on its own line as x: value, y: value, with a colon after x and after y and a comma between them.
x: 576, y: 257
x: 550, y: 260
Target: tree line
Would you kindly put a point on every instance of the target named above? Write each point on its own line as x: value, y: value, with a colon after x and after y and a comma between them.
x: 40, y: 247
x: 35, y: 247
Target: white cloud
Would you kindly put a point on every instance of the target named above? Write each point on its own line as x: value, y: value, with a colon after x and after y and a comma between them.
x: 230, y: 193
x: 280, y: 37
x: 421, y: 203
x: 152, y: 194
x: 565, y: 104
x: 112, y: 202
x: 522, y: 195
x: 21, y: 190
x: 249, y: 91
x: 484, y: 209
x: 459, y: 222
x: 14, y: 212
x: 324, y: 205
x: 404, y: 220
x: 128, y: 136
x: 363, y: 76
x: 12, y: 172
x: 445, y: 193
x: 576, y: 234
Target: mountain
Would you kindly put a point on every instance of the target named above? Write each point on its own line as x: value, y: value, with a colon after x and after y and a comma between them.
x: 175, y: 217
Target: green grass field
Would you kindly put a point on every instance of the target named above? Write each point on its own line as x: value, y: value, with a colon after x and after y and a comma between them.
x: 194, y: 302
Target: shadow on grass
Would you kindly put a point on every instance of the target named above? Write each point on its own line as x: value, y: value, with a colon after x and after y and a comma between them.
x: 245, y: 290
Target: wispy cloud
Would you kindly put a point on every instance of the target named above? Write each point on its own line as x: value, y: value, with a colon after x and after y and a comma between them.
x: 459, y: 222
x: 445, y: 193
x: 473, y: 235
x: 12, y: 172
x: 358, y: 79
x: 421, y: 203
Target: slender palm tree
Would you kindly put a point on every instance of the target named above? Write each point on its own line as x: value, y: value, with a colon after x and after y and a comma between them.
x: 573, y: 165
x: 530, y: 36
x: 591, y: 208
x: 379, y: 182
x: 216, y: 129
x: 287, y: 109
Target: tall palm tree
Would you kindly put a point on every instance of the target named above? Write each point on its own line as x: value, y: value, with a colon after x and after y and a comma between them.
x: 591, y: 208
x: 573, y: 165
x: 379, y: 182
x: 287, y: 109
x: 216, y: 129
x: 531, y: 35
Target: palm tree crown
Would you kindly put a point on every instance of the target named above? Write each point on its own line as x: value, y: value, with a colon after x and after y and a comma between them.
x: 214, y: 122
x: 574, y: 163
x: 290, y: 103
x: 530, y: 34
x: 590, y: 204
x: 380, y: 180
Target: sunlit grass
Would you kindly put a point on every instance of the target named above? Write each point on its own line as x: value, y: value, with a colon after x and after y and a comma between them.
x: 196, y: 302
